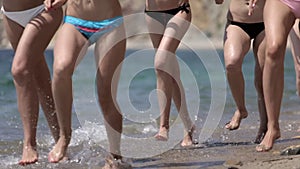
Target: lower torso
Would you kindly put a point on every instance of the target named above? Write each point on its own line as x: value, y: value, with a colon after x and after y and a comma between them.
x: 159, y: 5
x: 94, y: 10
x: 238, y: 11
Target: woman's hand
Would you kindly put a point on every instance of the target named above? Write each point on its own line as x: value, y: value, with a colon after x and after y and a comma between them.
x: 252, y: 4
x: 53, y: 4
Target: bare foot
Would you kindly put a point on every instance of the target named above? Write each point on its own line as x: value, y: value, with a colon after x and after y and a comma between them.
x: 268, y: 141
x: 163, y: 134
x: 112, y: 163
x: 260, y: 135
x: 188, y: 137
x: 58, y: 153
x: 29, y: 156
x: 236, y: 120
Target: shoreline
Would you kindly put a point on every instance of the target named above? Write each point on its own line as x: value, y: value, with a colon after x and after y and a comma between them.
x: 226, y: 149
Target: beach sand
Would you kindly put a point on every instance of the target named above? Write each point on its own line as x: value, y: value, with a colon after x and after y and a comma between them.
x: 226, y: 149
x: 238, y: 151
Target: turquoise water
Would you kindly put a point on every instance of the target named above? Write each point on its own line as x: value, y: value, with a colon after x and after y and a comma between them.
x: 87, y: 124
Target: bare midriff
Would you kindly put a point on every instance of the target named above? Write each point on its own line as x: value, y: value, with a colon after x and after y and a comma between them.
x: 238, y: 11
x: 160, y: 5
x: 94, y: 10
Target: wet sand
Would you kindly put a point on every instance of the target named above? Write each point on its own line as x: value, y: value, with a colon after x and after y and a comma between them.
x: 226, y: 149
x: 226, y: 155
x: 236, y: 152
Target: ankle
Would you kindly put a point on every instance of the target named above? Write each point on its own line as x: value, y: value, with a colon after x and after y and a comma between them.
x: 164, y: 127
x: 273, y: 127
x: 66, y: 135
x: 29, y: 144
x: 29, y: 147
x: 262, y: 129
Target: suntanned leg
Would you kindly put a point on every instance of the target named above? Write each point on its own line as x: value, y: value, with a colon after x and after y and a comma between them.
x: 29, y: 109
x: 69, y: 44
x: 180, y: 102
x: 29, y: 114
x: 259, y: 53
x: 24, y: 64
x: 43, y: 84
x: 295, y: 43
x: 168, y: 72
x: 178, y: 94
x: 108, y: 57
x: 164, y: 102
x: 236, y: 45
x: 276, y: 38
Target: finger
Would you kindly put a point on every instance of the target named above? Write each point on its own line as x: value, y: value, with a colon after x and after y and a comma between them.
x: 252, y: 4
x: 47, y: 4
x: 250, y: 12
x: 58, y: 4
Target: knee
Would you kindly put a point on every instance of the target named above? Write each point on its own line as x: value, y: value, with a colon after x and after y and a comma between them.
x: 21, y: 73
x: 62, y: 71
x: 233, y: 65
x: 273, y: 50
x: 161, y: 73
x: 159, y: 66
x: 165, y: 71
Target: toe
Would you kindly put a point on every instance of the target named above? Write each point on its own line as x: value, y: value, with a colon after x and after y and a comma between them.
x: 262, y: 148
x: 231, y: 126
x: 160, y: 137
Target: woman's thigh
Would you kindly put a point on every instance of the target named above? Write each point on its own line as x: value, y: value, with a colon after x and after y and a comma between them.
x: 236, y: 45
x: 36, y: 37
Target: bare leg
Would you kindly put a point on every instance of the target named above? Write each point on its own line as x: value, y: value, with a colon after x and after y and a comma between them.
x: 164, y: 102
x: 28, y: 114
x: 181, y: 105
x: 277, y: 31
x: 295, y: 44
x: 43, y: 84
x: 25, y: 61
x: 168, y: 74
x: 259, y: 52
x: 29, y: 111
x: 69, y: 44
x: 108, y: 57
x: 236, y: 45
